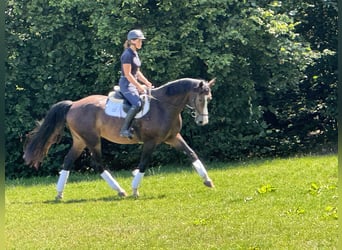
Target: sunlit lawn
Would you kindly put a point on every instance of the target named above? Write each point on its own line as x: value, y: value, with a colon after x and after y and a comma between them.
x: 266, y: 204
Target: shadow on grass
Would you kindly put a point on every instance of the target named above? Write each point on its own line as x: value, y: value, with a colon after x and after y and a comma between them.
x: 151, y: 171
x: 102, y: 199
x: 52, y: 180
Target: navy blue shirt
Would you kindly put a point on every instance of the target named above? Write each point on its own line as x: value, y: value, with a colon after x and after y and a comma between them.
x: 131, y: 57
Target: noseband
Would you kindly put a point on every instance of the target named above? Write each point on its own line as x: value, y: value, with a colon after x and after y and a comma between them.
x: 193, y: 109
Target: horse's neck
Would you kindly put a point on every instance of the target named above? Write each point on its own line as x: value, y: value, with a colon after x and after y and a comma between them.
x: 174, y: 103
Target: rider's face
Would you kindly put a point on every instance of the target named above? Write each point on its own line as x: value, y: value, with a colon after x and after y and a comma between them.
x: 137, y: 43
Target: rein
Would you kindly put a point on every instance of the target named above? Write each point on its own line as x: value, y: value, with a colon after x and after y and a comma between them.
x: 171, y: 104
x: 192, y: 109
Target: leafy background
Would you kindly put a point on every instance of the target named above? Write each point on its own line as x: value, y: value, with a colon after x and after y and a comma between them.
x: 275, y: 63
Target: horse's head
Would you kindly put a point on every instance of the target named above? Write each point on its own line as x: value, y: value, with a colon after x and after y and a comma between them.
x: 199, y: 101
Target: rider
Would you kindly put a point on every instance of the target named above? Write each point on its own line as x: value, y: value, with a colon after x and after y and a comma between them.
x: 131, y: 76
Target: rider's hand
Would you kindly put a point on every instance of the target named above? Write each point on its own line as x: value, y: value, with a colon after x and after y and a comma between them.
x: 141, y: 89
x: 149, y: 85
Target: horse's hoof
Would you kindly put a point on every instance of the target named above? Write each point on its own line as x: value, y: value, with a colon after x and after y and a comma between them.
x: 59, y: 197
x: 122, y: 194
x: 135, y: 193
x: 209, y: 183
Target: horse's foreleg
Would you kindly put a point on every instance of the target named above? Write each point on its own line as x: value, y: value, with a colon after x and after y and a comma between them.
x: 203, y: 173
x: 179, y: 143
x: 145, y: 158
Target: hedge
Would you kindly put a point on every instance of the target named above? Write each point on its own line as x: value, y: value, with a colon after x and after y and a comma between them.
x: 275, y: 65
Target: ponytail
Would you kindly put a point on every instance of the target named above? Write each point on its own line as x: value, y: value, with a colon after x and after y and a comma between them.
x: 127, y: 44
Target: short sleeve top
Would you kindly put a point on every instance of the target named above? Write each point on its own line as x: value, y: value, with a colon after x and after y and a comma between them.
x: 131, y: 57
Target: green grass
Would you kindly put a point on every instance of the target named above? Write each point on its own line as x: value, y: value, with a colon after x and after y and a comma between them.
x: 269, y: 204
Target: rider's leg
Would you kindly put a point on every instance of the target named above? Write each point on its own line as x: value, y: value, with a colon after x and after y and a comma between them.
x: 132, y: 95
x: 125, y: 129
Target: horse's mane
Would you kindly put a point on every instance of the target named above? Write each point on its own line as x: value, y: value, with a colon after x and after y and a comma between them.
x: 179, y: 86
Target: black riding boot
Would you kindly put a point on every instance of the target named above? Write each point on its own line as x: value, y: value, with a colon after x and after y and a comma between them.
x: 125, y: 130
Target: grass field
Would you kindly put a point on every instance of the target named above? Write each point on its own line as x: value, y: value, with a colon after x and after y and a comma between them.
x: 267, y: 204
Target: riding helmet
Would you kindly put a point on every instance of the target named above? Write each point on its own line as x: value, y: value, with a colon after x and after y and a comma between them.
x: 135, y: 34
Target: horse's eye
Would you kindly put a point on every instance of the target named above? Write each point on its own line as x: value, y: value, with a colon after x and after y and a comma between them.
x: 205, y: 90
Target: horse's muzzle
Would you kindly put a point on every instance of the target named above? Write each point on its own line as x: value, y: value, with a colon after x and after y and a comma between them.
x: 202, y: 119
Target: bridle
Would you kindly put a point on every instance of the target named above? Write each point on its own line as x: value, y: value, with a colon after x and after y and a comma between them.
x: 194, y: 112
x: 193, y: 108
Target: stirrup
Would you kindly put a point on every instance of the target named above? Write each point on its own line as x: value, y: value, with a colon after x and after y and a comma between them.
x: 126, y: 133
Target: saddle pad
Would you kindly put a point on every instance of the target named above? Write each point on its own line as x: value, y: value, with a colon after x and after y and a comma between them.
x: 114, y: 107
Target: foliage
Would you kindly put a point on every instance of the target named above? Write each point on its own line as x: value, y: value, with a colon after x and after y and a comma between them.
x: 275, y: 69
x: 176, y: 211
x: 266, y: 189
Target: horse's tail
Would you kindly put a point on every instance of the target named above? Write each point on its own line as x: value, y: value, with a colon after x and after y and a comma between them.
x: 47, y: 132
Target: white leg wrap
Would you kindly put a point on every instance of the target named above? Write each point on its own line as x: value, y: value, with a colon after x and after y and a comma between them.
x: 201, y: 170
x: 137, y: 179
x: 63, y: 178
x: 110, y: 180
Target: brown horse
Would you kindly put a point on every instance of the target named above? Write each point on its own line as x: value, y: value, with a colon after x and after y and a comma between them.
x: 88, y: 122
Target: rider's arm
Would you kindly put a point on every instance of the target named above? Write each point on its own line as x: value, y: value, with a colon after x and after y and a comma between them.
x: 143, y: 79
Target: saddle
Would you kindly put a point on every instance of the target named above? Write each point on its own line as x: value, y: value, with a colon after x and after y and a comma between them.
x: 117, y: 105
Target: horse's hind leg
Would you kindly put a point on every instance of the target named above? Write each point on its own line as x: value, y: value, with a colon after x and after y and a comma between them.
x: 69, y: 159
x: 179, y: 143
x: 113, y: 183
x: 105, y: 174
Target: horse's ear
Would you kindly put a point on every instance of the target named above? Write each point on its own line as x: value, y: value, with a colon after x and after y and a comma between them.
x: 212, y: 82
x: 200, y: 85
